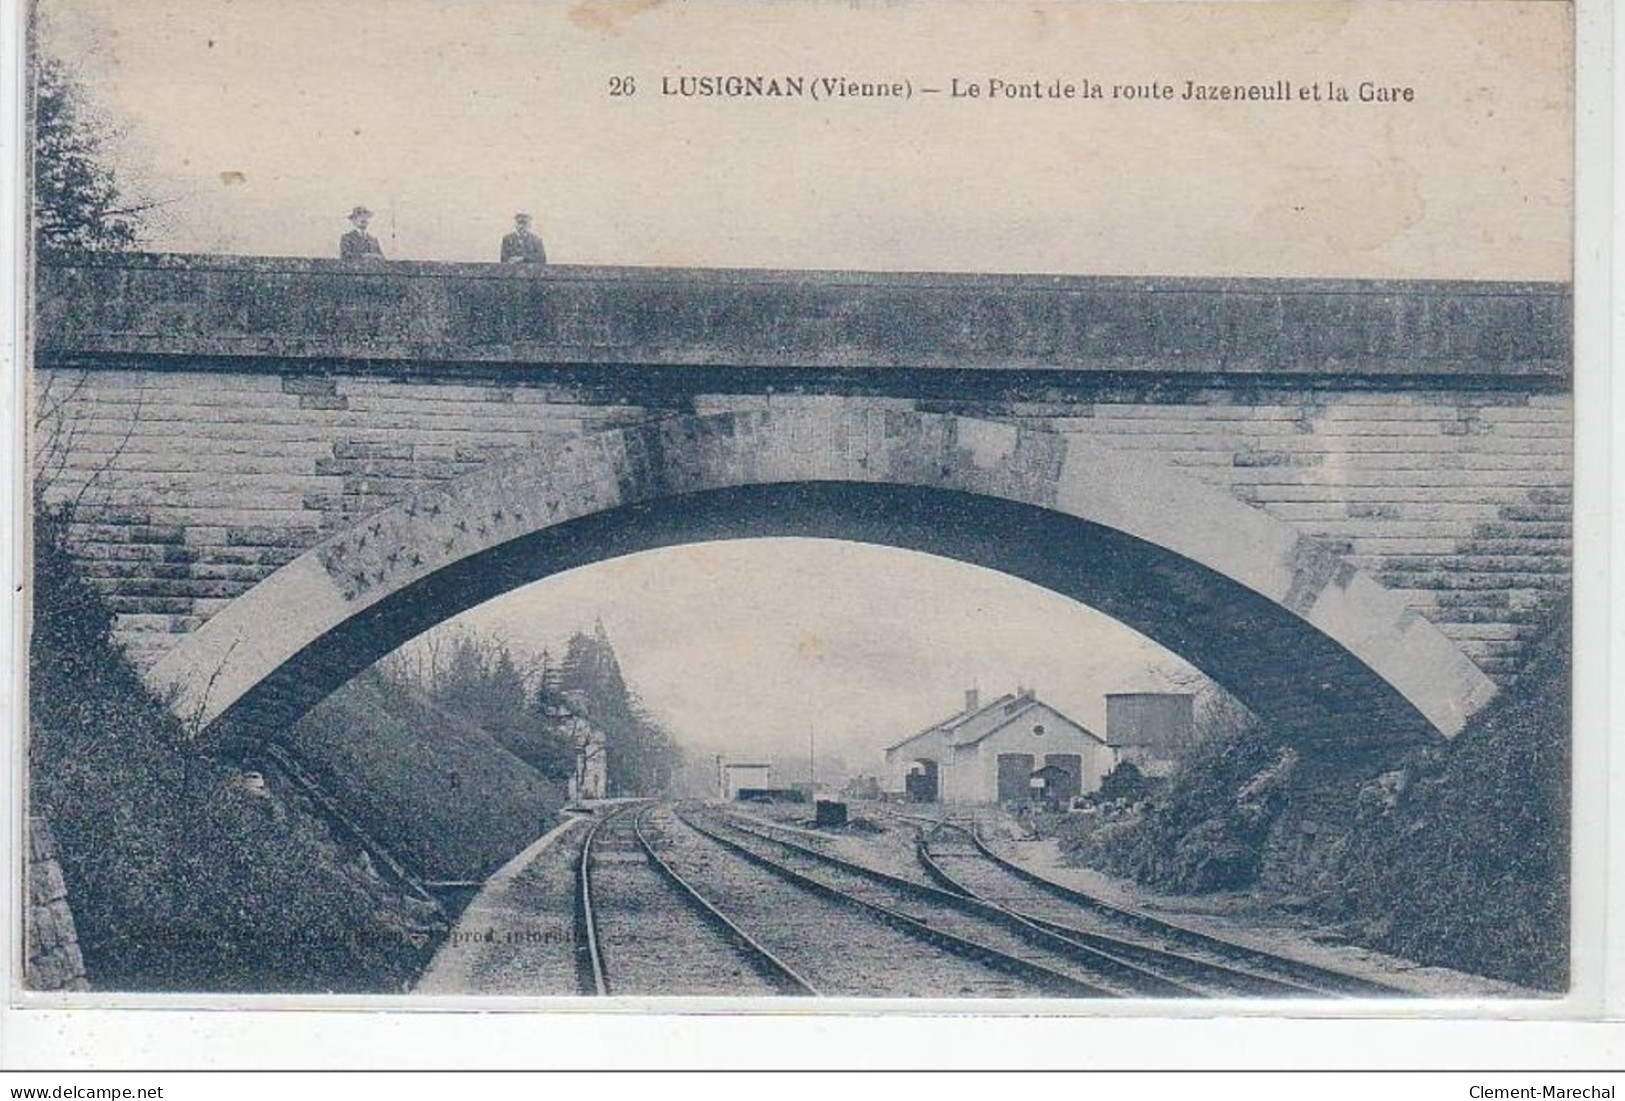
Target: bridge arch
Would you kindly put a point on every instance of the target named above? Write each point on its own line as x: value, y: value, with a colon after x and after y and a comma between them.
x: 1320, y: 651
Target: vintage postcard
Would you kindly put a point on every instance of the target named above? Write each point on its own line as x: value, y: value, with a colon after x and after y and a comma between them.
x: 1059, y: 507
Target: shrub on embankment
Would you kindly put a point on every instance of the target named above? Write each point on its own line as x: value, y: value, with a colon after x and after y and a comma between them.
x: 1462, y: 857
x: 446, y: 798
x: 1455, y: 855
x: 1205, y: 828
x: 181, y: 874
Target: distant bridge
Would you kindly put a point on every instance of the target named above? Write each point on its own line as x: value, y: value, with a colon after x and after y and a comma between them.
x: 1348, y: 502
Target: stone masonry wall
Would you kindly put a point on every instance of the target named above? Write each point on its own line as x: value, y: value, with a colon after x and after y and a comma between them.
x: 53, y: 961
x: 188, y: 487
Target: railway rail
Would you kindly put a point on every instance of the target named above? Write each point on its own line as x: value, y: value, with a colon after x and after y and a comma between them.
x: 853, y: 886
x: 643, y: 928
x: 848, y: 948
x: 959, y: 859
x: 1148, y: 970
x: 693, y: 900
x: 1135, y: 954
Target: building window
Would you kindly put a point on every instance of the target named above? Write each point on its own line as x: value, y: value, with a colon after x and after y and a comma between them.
x: 1038, y: 729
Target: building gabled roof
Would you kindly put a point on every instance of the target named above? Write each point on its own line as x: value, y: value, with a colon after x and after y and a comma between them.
x: 967, y: 728
x: 970, y: 727
x: 954, y: 722
x: 1014, y: 716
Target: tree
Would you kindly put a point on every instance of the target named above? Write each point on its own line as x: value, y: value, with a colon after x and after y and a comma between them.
x: 643, y: 758
x: 479, y: 680
x: 78, y: 204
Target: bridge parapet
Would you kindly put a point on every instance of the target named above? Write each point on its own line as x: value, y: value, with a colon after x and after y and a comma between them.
x: 279, y: 313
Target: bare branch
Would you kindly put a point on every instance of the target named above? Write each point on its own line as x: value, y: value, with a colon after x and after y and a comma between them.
x: 194, y: 722
x: 113, y: 458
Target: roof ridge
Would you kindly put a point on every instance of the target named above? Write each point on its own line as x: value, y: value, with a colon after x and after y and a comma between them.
x: 958, y: 719
x: 963, y: 717
x: 1030, y: 703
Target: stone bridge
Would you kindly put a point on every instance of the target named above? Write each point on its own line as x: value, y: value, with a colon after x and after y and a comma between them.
x: 1348, y: 502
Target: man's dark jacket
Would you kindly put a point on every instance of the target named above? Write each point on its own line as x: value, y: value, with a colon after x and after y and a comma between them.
x: 359, y: 244
x: 523, y: 247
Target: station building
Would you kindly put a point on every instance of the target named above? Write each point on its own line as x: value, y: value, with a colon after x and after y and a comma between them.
x: 1012, y: 750
x: 1018, y: 748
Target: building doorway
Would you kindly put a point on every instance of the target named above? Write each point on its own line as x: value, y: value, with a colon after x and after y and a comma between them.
x: 1063, y: 778
x: 921, y: 785
x: 1015, y: 776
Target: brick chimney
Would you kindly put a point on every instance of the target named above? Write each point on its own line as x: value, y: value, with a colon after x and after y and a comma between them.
x: 973, y: 700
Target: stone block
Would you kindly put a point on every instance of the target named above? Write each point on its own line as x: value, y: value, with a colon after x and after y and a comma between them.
x: 1275, y: 458
x: 45, y: 971
x: 323, y: 401
x: 359, y: 449
x: 41, y: 843
x: 157, y: 533
x: 308, y: 385
x: 262, y: 536
x: 122, y: 603
x: 47, y: 927
x: 1373, y: 510
x: 45, y: 883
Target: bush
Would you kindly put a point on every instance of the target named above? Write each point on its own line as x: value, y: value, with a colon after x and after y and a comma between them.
x: 1207, y: 828
x: 1123, y: 784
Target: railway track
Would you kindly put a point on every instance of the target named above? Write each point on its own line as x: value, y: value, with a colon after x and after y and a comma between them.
x: 953, y: 922
x: 959, y: 859
x: 644, y: 929
x: 1134, y: 954
x: 848, y: 949
x: 696, y: 902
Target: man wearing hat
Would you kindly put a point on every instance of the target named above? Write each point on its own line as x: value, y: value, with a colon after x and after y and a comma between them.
x: 358, y: 244
x: 522, y: 246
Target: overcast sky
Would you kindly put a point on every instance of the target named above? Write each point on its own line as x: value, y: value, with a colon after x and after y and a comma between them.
x: 744, y: 646
x: 267, y: 120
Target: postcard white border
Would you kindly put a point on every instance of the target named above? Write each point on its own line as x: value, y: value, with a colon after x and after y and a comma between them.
x: 239, y: 1032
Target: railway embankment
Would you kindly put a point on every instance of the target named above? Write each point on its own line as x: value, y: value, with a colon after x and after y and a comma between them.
x: 452, y: 802
x: 1253, y: 920
x: 183, y: 869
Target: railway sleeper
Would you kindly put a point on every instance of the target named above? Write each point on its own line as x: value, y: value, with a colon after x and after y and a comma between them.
x: 1039, y: 975
x: 1110, y: 966
x: 779, y: 974
x: 1321, y: 979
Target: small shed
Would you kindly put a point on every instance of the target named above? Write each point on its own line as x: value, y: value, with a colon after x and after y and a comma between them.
x: 1150, y: 729
x: 734, y: 776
